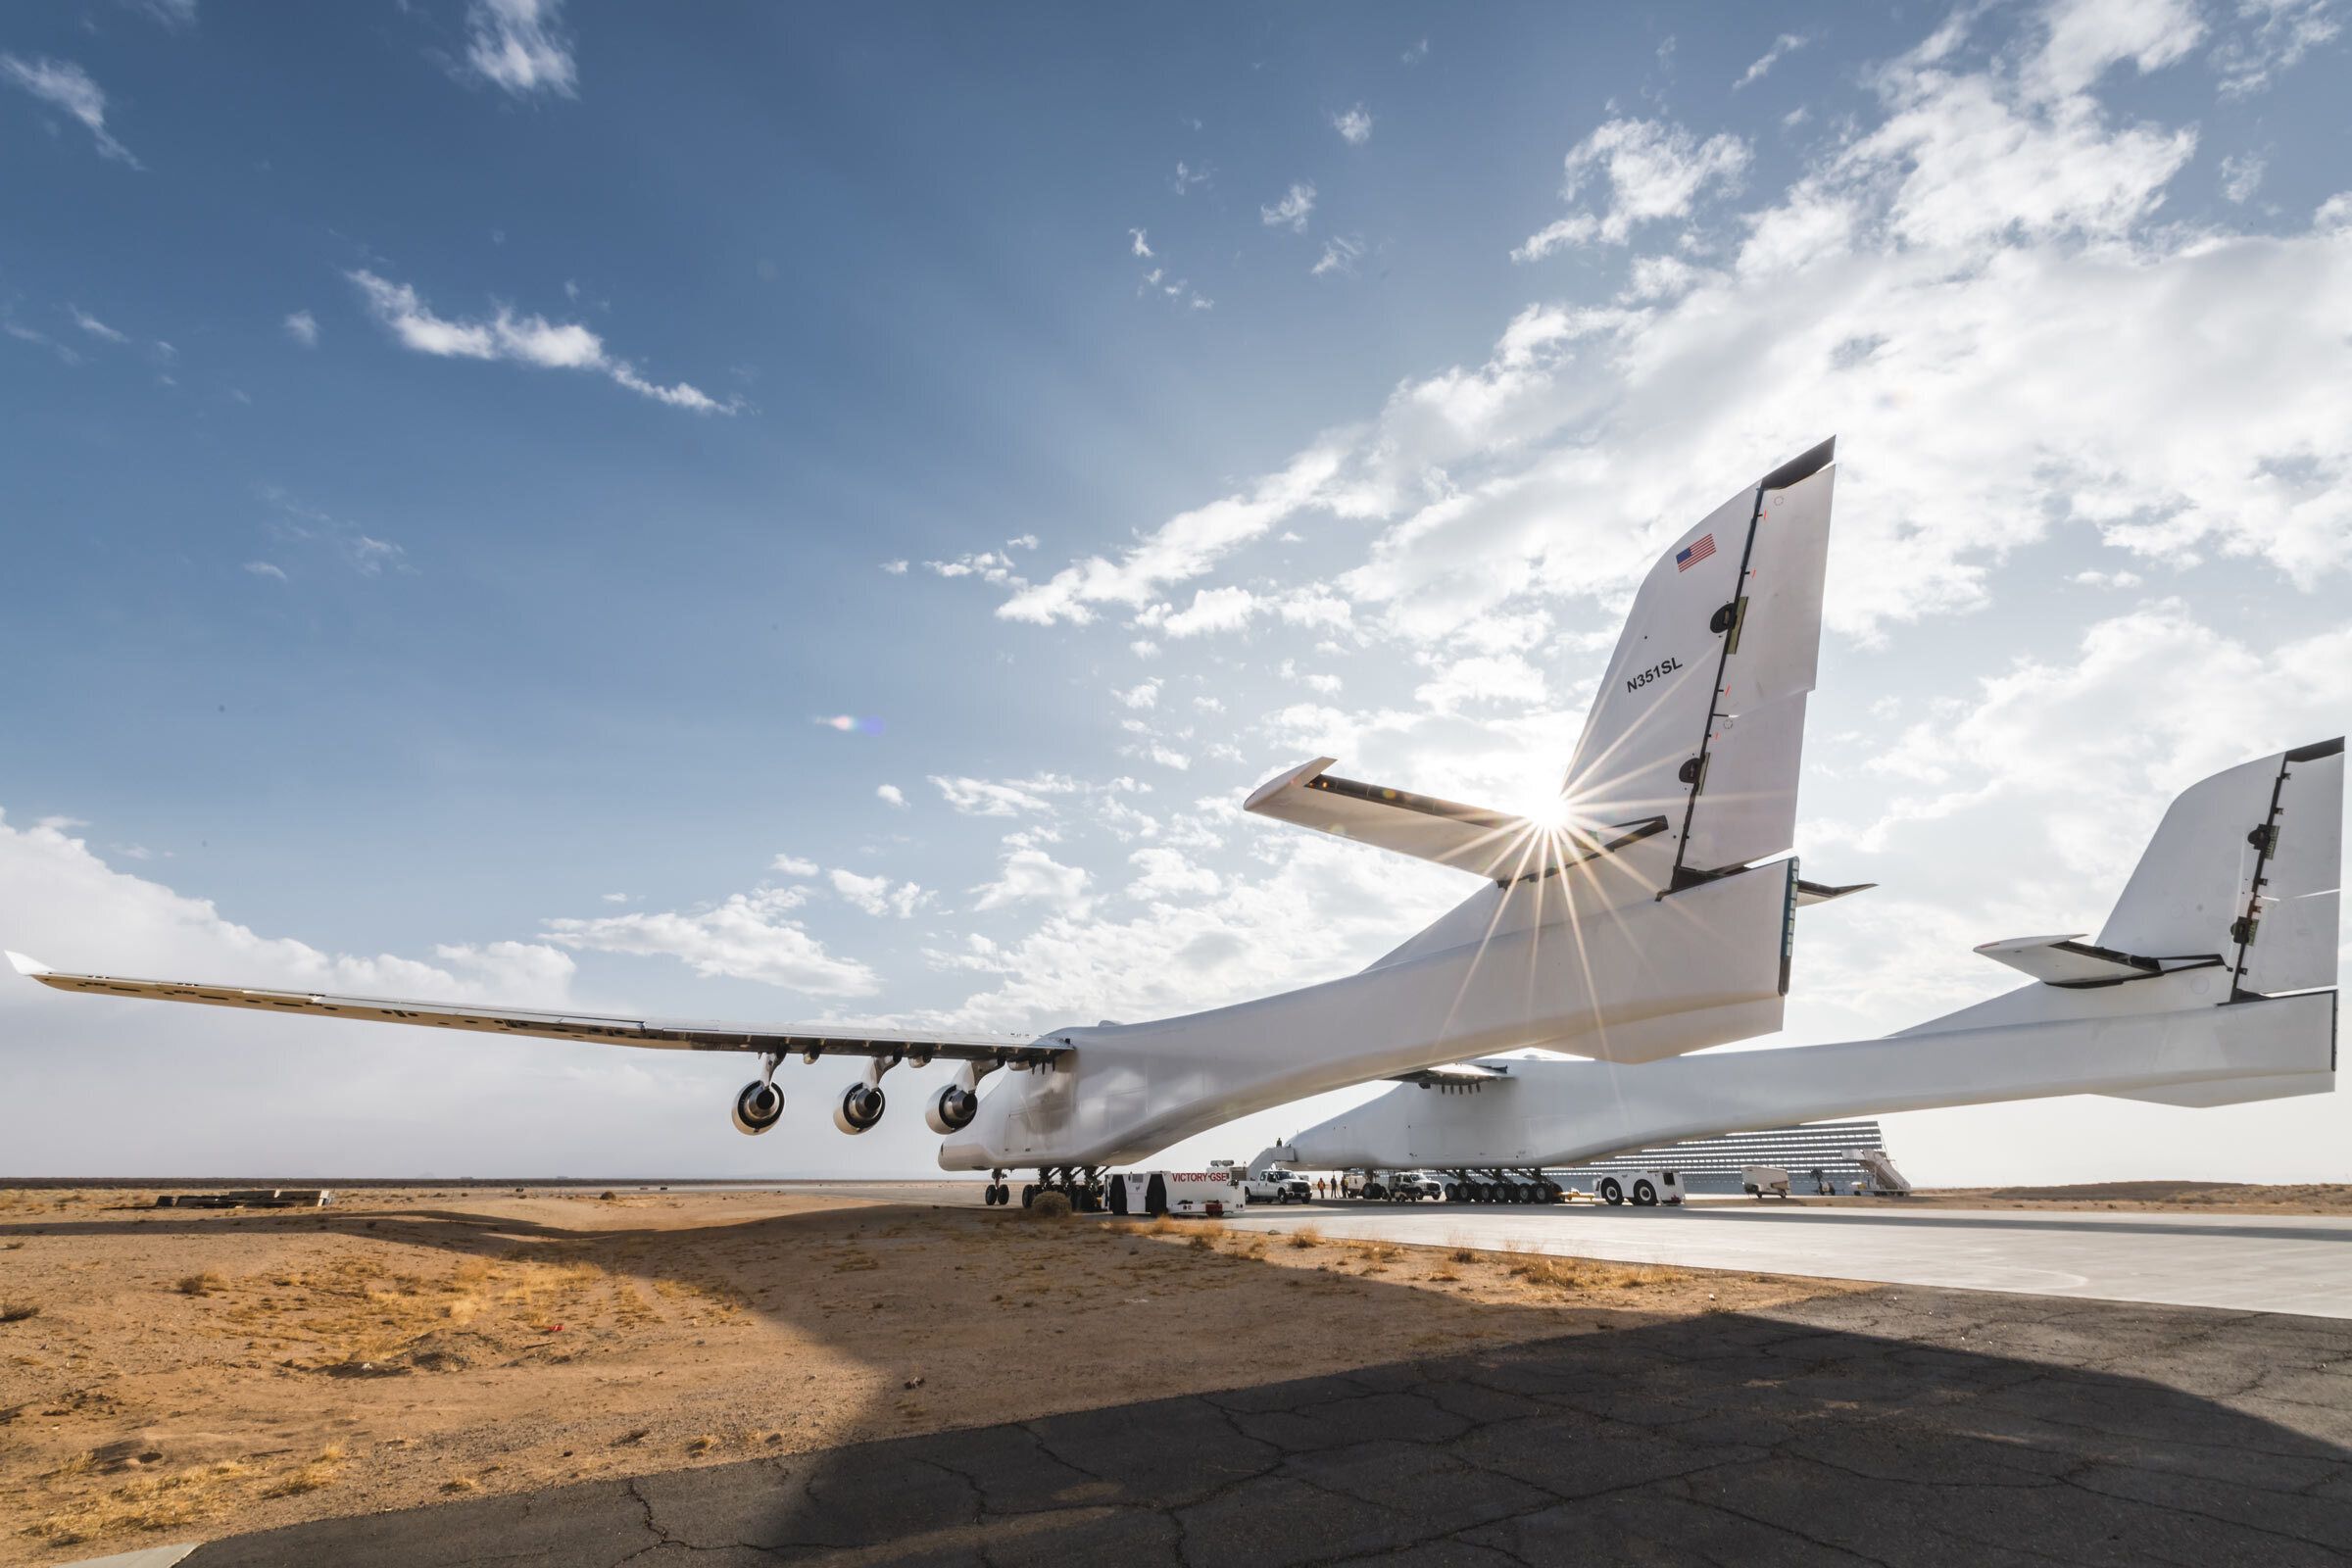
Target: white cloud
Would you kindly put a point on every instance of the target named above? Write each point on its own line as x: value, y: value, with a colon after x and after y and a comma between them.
x: 1415, y: 54
x: 1979, y: 261
x: 891, y: 795
x: 2085, y: 37
x: 877, y: 895
x: 1354, y: 126
x: 2081, y: 754
x: 1166, y: 874
x: 176, y: 15
x: 897, y: 568
x: 518, y: 339
x: 1145, y: 695
x: 66, y: 87
x: 1189, y: 178
x: 1291, y: 211
x: 521, y: 46
x: 2107, y: 579
x: 89, y: 913
x: 303, y: 327
x: 2241, y: 177
x: 979, y: 796
x: 1137, y: 244
x: 793, y: 865
x: 2268, y: 36
x: 1341, y: 253
x: 264, y: 569
x: 95, y: 327
x: 1185, y: 546
x: 746, y: 937
x: 1031, y: 874
x: 1653, y: 170
x: 1786, y: 44
x: 615, y: 898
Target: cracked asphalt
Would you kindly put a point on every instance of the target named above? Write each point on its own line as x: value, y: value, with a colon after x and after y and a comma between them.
x: 1897, y: 1427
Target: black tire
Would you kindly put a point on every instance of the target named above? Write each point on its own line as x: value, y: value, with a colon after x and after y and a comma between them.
x: 1610, y: 1193
x: 1029, y: 1195
x: 1645, y: 1196
x: 1118, y: 1196
x: 1156, y: 1196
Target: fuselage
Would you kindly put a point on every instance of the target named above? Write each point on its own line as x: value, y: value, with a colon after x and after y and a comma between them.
x: 1587, y: 961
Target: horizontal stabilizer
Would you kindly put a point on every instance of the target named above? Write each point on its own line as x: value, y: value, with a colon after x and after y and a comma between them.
x: 1812, y: 893
x: 1470, y: 838
x: 2068, y: 960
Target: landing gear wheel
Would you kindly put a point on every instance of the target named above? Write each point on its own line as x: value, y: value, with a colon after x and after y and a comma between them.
x: 1645, y: 1196
x: 1029, y: 1196
x: 1610, y: 1193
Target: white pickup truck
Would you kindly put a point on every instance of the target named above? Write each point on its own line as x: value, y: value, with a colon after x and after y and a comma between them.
x: 1275, y: 1185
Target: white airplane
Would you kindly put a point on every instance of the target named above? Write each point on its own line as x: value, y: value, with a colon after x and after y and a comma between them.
x: 2211, y: 983
x: 1644, y: 919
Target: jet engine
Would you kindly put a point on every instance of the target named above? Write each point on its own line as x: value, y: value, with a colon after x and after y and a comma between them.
x: 859, y: 1108
x: 759, y: 1107
x: 950, y: 1110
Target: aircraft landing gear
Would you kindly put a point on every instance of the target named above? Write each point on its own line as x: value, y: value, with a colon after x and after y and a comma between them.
x: 1081, y: 1185
x: 998, y: 1193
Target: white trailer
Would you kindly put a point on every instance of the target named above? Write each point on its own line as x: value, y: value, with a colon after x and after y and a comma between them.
x: 1643, y: 1189
x: 1211, y: 1193
x: 1758, y: 1180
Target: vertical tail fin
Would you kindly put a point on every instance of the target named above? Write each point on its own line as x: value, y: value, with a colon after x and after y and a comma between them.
x: 2246, y: 864
x: 1700, y: 716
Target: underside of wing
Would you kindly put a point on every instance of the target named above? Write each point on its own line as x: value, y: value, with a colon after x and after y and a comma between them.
x: 916, y: 1047
x: 1470, y: 838
x: 1453, y: 1072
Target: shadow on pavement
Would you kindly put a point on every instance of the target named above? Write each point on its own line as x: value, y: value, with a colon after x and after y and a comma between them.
x: 1895, y: 1426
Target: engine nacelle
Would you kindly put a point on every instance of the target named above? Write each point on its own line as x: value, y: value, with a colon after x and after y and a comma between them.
x: 860, y: 1108
x: 952, y: 1110
x: 759, y: 1107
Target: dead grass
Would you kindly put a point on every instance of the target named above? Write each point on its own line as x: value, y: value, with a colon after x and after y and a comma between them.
x: 1306, y: 1236
x: 204, y: 1284
x: 190, y: 1496
x: 19, y: 1311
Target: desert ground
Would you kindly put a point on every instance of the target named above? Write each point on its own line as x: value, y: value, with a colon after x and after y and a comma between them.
x: 175, y: 1374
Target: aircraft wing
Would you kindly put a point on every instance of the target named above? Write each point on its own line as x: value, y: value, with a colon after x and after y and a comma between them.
x: 916, y: 1047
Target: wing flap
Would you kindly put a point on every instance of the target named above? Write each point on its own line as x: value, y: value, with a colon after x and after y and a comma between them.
x: 657, y: 1032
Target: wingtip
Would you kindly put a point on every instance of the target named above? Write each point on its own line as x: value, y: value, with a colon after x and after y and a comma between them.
x: 23, y: 965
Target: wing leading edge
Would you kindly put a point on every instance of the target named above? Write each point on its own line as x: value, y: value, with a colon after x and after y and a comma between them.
x: 916, y: 1047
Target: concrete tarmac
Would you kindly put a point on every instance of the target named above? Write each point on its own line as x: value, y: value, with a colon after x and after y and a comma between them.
x: 2251, y: 1262
x: 1903, y: 1428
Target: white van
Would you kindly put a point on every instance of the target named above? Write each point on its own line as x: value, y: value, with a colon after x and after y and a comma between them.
x: 1645, y: 1189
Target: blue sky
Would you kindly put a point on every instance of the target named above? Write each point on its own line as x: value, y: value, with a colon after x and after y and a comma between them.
x: 462, y: 455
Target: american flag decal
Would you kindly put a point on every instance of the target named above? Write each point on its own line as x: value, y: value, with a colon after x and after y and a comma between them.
x: 1685, y: 560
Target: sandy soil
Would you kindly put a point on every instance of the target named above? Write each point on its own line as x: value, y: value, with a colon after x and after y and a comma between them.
x: 193, y: 1373
x: 2166, y: 1197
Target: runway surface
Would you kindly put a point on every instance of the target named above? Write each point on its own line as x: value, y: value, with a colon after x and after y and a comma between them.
x: 1897, y: 1428
x: 2251, y: 1262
